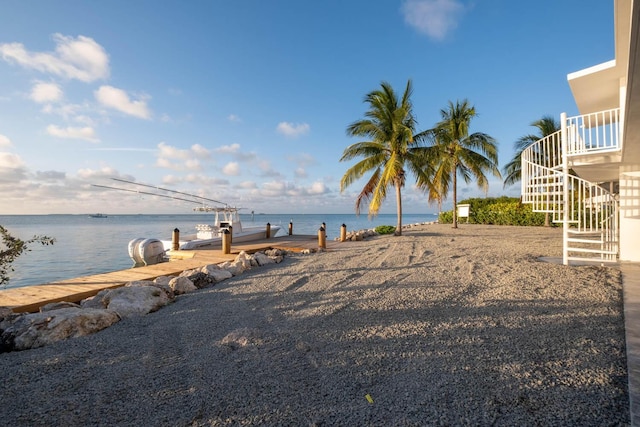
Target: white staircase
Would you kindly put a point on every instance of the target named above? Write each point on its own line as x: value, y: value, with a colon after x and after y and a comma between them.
x: 588, y: 211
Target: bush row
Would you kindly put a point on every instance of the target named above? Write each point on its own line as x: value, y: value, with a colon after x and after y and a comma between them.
x: 499, y: 211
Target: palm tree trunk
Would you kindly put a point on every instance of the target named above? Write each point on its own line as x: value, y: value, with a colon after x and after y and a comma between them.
x: 546, y: 220
x: 399, y: 207
x: 455, y: 196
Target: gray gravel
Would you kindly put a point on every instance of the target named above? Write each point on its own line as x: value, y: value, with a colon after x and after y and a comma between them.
x: 437, y: 327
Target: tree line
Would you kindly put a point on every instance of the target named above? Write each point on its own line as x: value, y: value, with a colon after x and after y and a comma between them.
x: 435, y: 157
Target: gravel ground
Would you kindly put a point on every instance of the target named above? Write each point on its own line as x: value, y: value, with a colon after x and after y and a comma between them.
x: 437, y: 327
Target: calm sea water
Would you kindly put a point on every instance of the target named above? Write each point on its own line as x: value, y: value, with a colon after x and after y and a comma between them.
x: 86, y: 245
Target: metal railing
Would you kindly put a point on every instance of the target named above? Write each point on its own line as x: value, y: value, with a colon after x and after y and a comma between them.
x: 588, y: 212
x: 594, y: 132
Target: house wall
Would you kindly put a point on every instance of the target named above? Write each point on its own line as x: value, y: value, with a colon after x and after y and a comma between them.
x: 630, y: 213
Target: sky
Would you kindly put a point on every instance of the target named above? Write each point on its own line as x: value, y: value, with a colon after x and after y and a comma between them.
x: 247, y: 101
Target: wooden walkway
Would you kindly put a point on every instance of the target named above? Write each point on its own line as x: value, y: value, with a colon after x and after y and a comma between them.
x: 31, y: 298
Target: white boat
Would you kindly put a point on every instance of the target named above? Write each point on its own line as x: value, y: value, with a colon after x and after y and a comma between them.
x: 146, y: 251
x: 151, y: 251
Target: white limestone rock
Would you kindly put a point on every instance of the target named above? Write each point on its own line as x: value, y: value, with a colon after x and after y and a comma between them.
x: 40, y: 329
x: 262, y: 259
x: 131, y: 301
x: 220, y: 275
x: 182, y: 285
x: 163, y: 280
x: 235, y: 268
x: 208, y: 269
x: 164, y: 287
x: 244, y: 259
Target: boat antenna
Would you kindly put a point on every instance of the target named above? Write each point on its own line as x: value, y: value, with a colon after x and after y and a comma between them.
x: 166, y: 189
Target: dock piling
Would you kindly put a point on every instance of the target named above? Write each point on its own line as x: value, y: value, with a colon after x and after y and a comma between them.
x: 175, y: 240
x: 226, y: 242
x: 268, y: 233
x: 343, y: 232
x: 322, y: 238
x: 290, y: 228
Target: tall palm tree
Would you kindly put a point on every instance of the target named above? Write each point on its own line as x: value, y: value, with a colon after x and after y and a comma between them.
x: 455, y: 152
x: 392, y: 146
x: 546, y: 126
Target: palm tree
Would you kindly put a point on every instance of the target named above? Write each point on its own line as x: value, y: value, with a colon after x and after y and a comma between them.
x: 547, y: 125
x: 390, y: 127
x: 455, y: 152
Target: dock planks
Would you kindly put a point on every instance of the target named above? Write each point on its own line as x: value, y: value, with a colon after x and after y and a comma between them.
x: 31, y: 298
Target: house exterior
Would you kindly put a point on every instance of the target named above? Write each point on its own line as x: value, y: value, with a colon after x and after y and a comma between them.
x: 587, y: 175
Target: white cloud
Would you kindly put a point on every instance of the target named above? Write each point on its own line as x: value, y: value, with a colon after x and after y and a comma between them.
x: 231, y: 169
x: 201, y: 151
x: 300, y: 173
x: 78, y: 58
x: 292, y: 129
x: 118, y: 99
x: 12, y: 168
x: 189, y: 159
x: 234, y: 118
x: 435, y: 18
x: 317, y: 188
x: 228, y: 149
x: 45, y: 92
x: 4, y: 141
x: 247, y: 185
x: 85, y: 133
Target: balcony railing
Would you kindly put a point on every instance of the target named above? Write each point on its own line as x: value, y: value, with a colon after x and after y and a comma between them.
x: 594, y: 132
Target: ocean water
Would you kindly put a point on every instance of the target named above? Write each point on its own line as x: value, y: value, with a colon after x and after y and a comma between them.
x: 86, y: 245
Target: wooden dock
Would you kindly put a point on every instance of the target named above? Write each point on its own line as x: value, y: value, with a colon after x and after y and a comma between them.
x: 31, y: 298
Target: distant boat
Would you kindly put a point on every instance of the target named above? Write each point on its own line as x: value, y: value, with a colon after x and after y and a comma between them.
x: 98, y: 215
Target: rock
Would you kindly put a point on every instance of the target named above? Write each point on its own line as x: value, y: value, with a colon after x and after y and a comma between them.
x: 39, y: 329
x: 220, y: 275
x: 5, y: 312
x: 244, y: 260
x: 96, y: 301
x: 164, y: 287
x: 241, y: 338
x: 163, y: 280
x: 274, y: 253
x: 234, y: 268
x: 208, y: 269
x: 262, y: 259
x: 200, y: 279
x: 135, y: 300
x: 58, y: 306
x: 182, y: 285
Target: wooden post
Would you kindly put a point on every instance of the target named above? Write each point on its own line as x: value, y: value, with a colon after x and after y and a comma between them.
x: 322, y: 238
x: 290, y: 228
x: 226, y: 241
x: 230, y: 234
x: 268, y: 234
x: 175, y: 240
x: 343, y: 232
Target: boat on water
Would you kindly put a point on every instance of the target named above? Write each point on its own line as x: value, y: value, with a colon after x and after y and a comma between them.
x: 97, y: 215
x: 145, y: 251
x: 149, y: 251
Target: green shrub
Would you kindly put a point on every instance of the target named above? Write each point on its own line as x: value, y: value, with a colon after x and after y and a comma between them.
x: 385, y: 229
x: 499, y: 211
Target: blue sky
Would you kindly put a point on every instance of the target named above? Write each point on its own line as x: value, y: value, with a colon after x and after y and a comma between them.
x: 248, y: 101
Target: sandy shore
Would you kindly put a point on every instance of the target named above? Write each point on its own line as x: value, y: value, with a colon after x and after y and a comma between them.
x: 437, y: 327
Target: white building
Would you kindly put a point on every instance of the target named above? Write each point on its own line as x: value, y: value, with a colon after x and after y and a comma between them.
x: 588, y: 174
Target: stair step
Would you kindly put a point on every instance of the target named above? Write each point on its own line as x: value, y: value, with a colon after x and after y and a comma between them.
x: 592, y: 251
x: 584, y: 259
x: 574, y: 240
